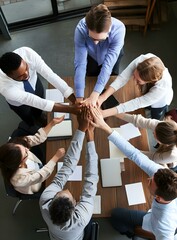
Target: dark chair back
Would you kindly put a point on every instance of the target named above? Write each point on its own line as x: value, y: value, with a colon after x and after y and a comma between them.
x: 10, y: 191
x: 95, y: 231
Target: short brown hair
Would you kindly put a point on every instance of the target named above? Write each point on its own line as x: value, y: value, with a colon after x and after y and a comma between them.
x: 166, y: 182
x: 98, y: 19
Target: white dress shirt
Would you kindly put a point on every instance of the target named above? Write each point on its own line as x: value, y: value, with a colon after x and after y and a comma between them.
x: 160, y: 95
x: 14, y: 92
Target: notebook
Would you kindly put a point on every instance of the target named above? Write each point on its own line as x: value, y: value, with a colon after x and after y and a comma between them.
x: 110, y: 172
x: 62, y: 130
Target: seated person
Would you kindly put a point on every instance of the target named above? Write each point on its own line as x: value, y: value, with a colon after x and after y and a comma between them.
x: 21, y: 167
x: 23, y: 90
x: 161, y: 220
x: 154, y: 82
x: 165, y: 132
x: 66, y: 218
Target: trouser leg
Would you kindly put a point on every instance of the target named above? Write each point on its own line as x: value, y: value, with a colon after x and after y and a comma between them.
x: 93, y: 69
x: 125, y: 220
x: 158, y: 113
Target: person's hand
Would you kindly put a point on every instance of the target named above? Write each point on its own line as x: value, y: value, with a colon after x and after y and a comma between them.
x: 92, y: 100
x: 58, y: 155
x: 98, y: 120
x: 52, y: 123
x: 84, y: 119
x: 89, y: 102
x: 76, y: 108
x: 79, y: 100
x: 57, y: 120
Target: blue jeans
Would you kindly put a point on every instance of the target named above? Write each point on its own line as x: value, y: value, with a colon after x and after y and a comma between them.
x: 125, y: 220
x: 158, y: 113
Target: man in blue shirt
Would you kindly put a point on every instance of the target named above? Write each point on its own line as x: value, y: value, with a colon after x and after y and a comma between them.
x: 99, y: 39
x: 161, y: 219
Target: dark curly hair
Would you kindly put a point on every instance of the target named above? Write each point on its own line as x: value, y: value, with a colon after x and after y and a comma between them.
x: 60, y: 210
x: 166, y: 182
x: 10, y: 62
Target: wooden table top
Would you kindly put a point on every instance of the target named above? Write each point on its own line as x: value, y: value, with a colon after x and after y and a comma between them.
x: 111, y: 197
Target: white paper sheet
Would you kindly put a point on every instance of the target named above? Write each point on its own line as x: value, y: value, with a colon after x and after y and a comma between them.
x: 97, y: 204
x: 60, y: 114
x: 129, y: 131
x: 111, y: 172
x: 62, y: 129
x: 135, y: 193
x: 77, y: 174
x: 54, y: 95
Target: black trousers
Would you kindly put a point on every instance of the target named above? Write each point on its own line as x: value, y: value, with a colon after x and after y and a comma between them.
x: 93, y: 69
x: 30, y: 115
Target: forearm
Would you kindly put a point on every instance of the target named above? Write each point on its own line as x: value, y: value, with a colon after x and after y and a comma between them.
x: 134, y: 154
x: 109, y: 112
x: 91, y: 172
x: 65, y: 108
x: 109, y: 91
x: 48, y: 127
x: 71, y: 159
x: 72, y: 98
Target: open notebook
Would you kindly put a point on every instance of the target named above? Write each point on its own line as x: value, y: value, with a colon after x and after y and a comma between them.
x: 61, y: 131
x: 111, y: 172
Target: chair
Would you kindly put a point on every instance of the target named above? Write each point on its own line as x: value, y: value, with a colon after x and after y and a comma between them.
x: 94, y: 231
x: 10, y: 191
x: 139, y: 232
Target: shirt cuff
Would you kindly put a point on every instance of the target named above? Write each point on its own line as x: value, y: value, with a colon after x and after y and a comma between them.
x: 49, y: 106
x: 68, y: 92
x: 79, y: 93
x: 98, y: 88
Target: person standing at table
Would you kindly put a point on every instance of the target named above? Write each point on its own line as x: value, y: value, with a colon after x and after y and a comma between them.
x: 99, y: 40
x: 23, y: 90
x: 155, y: 84
x: 66, y: 218
x: 161, y: 219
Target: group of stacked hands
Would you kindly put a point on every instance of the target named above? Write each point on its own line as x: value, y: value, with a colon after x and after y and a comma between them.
x: 99, y: 40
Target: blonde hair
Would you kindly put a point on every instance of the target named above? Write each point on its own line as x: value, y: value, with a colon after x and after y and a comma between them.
x: 151, y: 69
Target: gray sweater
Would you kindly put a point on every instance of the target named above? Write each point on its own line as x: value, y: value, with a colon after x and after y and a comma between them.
x: 74, y: 227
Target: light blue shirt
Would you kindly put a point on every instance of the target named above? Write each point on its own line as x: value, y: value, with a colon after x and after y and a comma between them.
x: 162, y: 218
x: 105, y: 53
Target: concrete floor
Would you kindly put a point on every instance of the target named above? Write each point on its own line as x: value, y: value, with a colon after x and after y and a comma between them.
x: 54, y: 42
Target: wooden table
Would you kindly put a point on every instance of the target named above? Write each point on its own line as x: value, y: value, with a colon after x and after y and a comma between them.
x: 113, y: 196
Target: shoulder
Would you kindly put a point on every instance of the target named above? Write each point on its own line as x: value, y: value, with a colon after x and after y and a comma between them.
x: 26, y: 53
x: 116, y: 22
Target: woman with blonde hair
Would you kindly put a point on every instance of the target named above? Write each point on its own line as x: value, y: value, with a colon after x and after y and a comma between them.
x: 21, y: 168
x: 155, y: 84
